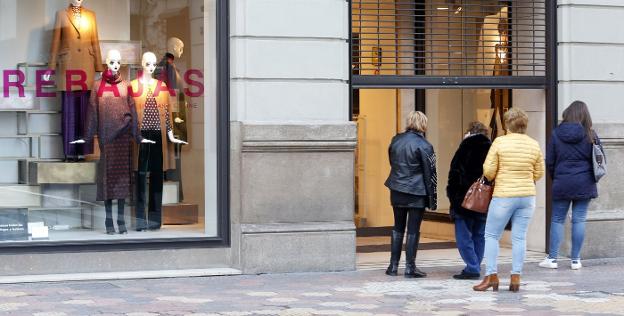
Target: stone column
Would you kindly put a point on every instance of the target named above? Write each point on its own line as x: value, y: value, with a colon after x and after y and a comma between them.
x: 292, y: 150
x: 591, y: 70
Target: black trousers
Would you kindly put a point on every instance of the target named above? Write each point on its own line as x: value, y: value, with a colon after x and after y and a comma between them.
x: 150, y: 166
x: 410, y: 217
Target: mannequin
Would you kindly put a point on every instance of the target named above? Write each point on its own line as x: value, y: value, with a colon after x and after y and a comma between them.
x: 500, y: 98
x: 75, y: 57
x: 112, y: 116
x: 169, y: 74
x: 151, y: 99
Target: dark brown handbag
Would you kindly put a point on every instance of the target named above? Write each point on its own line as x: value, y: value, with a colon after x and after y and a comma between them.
x: 478, y: 196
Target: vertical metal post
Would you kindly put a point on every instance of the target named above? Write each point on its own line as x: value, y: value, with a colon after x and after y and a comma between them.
x: 551, y: 96
x: 350, y: 63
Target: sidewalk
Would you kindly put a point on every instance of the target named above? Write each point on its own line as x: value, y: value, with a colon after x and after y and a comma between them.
x: 597, y: 289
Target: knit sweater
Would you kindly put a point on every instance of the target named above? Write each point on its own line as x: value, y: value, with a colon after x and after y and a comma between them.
x: 514, y: 162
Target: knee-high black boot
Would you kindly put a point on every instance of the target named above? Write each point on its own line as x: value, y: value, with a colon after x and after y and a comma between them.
x: 396, y: 245
x: 411, y: 271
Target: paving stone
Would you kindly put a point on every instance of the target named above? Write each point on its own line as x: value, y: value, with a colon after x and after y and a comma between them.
x: 597, y: 289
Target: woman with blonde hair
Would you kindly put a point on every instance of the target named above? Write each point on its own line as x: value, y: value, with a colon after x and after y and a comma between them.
x: 412, y: 183
x: 515, y: 162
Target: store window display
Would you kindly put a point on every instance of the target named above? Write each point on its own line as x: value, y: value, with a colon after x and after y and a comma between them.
x: 110, y: 110
x: 113, y: 117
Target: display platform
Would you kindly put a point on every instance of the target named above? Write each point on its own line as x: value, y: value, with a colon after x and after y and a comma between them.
x: 62, y: 172
x: 180, y: 214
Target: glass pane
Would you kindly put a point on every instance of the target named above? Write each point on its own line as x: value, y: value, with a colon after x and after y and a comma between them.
x: 120, y: 141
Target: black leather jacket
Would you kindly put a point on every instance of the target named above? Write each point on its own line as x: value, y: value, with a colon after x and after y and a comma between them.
x: 413, y: 164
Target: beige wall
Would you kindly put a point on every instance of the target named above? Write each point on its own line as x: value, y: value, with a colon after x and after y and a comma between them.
x: 376, y: 127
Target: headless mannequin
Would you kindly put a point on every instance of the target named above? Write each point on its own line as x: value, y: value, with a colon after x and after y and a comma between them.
x: 113, y: 62
x: 74, y: 47
x: 75, y: 3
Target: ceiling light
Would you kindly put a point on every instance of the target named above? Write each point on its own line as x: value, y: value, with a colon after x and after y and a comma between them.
x: 443, y: 8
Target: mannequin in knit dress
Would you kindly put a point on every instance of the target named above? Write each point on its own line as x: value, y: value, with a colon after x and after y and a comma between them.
x: 112, y: 116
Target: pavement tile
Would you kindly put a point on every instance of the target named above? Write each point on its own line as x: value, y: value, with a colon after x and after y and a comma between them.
x: 598, y: 289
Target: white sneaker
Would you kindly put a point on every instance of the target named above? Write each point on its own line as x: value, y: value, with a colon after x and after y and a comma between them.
x: 576, y: 264
x: 549, y: 263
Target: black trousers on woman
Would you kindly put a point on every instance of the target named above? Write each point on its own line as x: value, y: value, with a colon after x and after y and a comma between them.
x: 410, y: 217
x: 409, y: 211
x: 150, y: 166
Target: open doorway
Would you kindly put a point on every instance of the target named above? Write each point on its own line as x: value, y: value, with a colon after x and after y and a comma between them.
x: 380, y: 114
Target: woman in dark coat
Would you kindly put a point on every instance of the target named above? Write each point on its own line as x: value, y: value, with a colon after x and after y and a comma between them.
x: 569, y: 163
x: 466, y: 168
x: 413, y: 187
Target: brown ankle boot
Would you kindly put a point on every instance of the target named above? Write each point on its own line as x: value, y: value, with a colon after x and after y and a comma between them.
x: 490, y: 281
x: 514, y: 285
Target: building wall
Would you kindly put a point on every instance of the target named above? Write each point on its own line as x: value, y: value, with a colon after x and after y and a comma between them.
x: 292, y: 142
x: 591, y: 68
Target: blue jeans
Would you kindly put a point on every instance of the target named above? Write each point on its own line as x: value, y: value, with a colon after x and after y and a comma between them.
x: 579, y: 214
x: 519, y: 210
x: 469, y: 236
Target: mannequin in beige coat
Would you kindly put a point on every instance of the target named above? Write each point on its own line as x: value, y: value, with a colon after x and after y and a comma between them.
x: 75, y: 53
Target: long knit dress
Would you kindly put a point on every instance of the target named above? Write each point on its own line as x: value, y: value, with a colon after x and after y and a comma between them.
x: 112, y: 116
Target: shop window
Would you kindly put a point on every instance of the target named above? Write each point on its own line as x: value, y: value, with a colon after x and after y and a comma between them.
x: 108, y: 113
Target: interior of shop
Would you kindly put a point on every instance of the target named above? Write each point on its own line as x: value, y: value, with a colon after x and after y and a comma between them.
x: 436, y: 38
x: 52, y: 196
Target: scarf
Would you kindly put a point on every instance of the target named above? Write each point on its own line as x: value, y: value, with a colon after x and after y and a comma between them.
x: 111, y: 78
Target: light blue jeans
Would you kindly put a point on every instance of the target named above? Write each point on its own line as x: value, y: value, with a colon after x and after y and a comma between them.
x: 519, y: 210
x: 579, y: 214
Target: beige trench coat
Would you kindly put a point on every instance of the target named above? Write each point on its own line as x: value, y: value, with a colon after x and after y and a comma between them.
x: 75, y: 46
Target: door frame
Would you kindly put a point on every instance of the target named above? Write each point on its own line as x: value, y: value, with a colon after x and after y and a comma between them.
x: 549, y: 83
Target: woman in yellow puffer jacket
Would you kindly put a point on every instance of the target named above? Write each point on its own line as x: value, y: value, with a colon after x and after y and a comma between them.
x: 515, y: 162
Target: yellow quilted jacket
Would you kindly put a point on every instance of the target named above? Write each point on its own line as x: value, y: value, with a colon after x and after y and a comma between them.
x: 515, y: 162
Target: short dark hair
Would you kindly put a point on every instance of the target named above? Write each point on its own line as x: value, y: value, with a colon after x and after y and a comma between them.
x: 477, y: 127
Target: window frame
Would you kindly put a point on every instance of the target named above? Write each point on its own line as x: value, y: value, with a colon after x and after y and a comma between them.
x: 223, y: 238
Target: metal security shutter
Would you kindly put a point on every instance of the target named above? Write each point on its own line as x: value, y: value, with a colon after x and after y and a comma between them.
x: 455, y: 38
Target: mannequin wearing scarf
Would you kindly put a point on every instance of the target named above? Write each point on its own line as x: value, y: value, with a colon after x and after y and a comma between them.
x: 112, y: 116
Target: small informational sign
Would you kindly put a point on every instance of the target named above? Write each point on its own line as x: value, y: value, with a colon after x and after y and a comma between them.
x: 39, y: 232
x: 13, y: 224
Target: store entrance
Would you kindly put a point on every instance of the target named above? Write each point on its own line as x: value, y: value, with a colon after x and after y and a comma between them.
x: 380, y: 114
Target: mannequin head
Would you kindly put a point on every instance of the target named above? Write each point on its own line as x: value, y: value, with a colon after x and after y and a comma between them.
x: 149, y: 63
x: 113, y: 60
x: 77, y: 3
x: 175, y: 46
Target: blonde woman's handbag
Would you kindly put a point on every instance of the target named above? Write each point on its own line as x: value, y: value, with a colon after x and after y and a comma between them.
x: 478, y: 196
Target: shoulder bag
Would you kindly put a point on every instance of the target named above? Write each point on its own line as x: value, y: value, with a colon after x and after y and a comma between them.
x: 478, y: 196
x: 599, y: 160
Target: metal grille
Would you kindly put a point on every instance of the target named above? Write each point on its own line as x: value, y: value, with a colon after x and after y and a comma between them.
x: 463, y: 38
